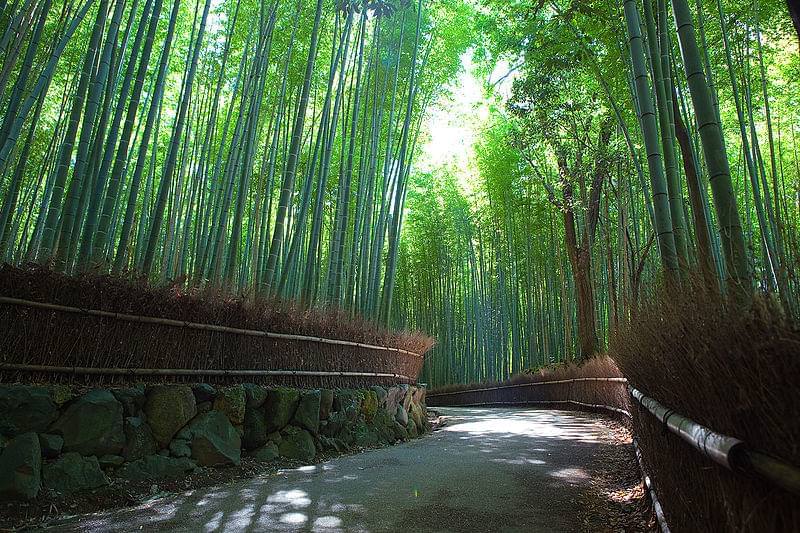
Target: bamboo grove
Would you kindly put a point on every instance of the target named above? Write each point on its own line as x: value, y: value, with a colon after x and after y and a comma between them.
x: 272, y: 148
x: 641, y: 144
x: 263, y: 147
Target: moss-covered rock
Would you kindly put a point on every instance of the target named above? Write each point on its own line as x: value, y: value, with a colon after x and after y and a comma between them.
x: 204, y: 392
x: 348, y: 401
x: 381, y: 393
x: 297, y: 444
x: 155, y: 467
x: 325, y: 403
x: 61, y: 393
x: 268, y: 452
x: 132, y: 399
x: 420, y: 395
x: 307, y: 413
x: 365, y: 436
x: 214, y: 441
x: 232, y: 402
x: 108, y: 461
x: 139, y: 439
x: 92, y: 425
x: 255, y: 395
x: 400, y: 431
x: 180, y: 448
x: 20, y: 468
x: 254, y: 429
x: 73, y: 473
x: 370, y: 404
x: 168, y: 408
x: 51, y: 445
x: 24, y: 408
x: 420, y: 417
x: 333, y: 444
x: 383, y: 423
x: 411, y: 428
x: 394, y: 397
x: 279, y: 407
x: 334, y: 425
x: 401, y: 415
x: 409, y: 397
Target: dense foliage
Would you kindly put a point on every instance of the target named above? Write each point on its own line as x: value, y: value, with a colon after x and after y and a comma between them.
x: 271, y: 148
x: 261, y: 146
x: 625, y: 155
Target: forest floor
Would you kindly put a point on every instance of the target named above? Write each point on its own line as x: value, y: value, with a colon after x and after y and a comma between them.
x: 485, y: 470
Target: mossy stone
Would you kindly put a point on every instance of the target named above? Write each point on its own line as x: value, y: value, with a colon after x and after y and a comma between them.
x: 92, y: 425
x: 154, y: 467
x: 20, y: 468
x: 325, y: 403
x: 307, y: 413
x: 370, y: 404
x: 139, y: 439
x: 279, y: 407
x: 24, y: 408
x: 297, y: 444
x: 73, y: 473
x: 50, y: 444
x: 268, y: 452
x: 232, y: 401
x: 168, y: 408
x: 214, y: 440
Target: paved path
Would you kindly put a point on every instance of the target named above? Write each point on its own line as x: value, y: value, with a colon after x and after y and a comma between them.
x: 486, y: 470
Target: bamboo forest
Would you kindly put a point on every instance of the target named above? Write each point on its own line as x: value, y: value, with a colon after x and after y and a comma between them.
x: 278, y: 149
x: 263, y: 233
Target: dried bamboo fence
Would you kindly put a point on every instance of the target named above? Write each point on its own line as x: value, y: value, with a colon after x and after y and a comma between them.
x: 58, y: 342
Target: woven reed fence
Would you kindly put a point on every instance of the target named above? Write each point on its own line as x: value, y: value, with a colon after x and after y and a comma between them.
x: 604, y: 393
x: 50, y: 342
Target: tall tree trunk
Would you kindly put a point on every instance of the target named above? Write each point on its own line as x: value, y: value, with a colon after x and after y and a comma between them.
x: 647, y: 120
x: 172, y: 154
x: 716, y: 156
x: 144, y: 145
x: 294, y: 153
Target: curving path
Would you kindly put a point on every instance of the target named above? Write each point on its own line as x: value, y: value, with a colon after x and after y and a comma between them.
x: 485, y: 470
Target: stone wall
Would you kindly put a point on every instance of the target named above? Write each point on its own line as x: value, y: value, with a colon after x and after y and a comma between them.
x: 61, y: 439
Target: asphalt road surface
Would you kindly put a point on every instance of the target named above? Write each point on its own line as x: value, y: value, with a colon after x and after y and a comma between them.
x: 485, y: 470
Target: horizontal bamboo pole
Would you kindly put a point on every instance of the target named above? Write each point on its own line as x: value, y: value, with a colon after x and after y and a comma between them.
x: 730, y: 452
x: 532, y: 384
x: 775, y: 470
x: 715, y: 446
x: 196, y: 326
x: 542, y: 402
x: 82, y: 370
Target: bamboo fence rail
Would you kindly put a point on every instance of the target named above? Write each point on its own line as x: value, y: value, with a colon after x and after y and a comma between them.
x: 730, y: 452
x: 132, y: 349
x: 532, y: 384
x: 82, y: 370
x: 197, y: 326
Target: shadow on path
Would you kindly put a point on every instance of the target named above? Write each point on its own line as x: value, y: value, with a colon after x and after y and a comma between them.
x: 486, y: 470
